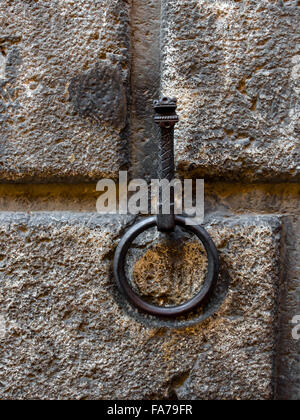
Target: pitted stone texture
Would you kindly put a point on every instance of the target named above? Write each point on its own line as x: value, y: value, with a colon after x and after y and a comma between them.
x: 64, y: 70
x: 63, y: 336
x: 235, y: 68
x: 171, y: 273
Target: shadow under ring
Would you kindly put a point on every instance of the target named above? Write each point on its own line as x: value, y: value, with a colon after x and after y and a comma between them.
x: 171, y: 311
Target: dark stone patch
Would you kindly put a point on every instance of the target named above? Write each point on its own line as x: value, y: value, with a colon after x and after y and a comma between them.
x: 100, y: 95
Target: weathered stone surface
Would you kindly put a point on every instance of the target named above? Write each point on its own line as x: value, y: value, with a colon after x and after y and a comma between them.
x: 235, y: 68
x: 145, y: 79
x: 64, y: 70
x: 62, y: 334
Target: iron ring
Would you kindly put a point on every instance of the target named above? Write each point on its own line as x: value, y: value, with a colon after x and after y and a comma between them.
x: 125, y: 288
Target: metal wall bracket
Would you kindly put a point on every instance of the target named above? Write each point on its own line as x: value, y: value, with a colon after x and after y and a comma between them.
x: 166, y: 118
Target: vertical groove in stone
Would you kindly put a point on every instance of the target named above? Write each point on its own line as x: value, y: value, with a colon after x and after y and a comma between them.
x: 287, y: 367
x: 145, y: 86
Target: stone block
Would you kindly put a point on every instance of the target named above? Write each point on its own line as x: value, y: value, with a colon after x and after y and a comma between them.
x: 64, y: 70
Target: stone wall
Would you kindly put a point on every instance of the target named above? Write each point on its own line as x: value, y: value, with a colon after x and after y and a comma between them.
x: 236, y: 67
x: 77, y: 80
x: 64, y: 89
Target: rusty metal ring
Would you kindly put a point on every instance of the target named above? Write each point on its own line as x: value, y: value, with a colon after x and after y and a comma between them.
x: 172, y: 311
